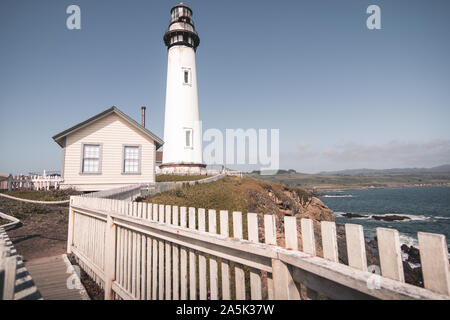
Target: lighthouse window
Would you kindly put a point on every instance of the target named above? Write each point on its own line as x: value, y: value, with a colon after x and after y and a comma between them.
x: 188, y: 138
x: 187, y: 76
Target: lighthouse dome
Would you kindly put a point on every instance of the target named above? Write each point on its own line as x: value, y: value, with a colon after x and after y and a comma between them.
x: 181, y: 28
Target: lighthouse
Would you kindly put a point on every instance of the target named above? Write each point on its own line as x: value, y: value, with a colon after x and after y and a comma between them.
x: 182, y: 128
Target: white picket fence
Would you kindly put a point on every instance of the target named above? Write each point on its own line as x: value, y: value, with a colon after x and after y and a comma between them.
x: 151, y: 251
x: 34, y: 182
x: 45, y: 182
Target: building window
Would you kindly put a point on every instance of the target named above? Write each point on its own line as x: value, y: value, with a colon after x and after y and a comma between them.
x: 187, y: 76
x: 188, y: 138
x: 132, y: 160
x: 91, y: 158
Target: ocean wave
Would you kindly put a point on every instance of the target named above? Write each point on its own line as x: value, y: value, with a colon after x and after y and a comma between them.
x: 411, y: 217
x: 441, y: 218
x: 408, y: 240
x: 338, y: 196
x: 341, y: 215
x: 414, y: 265
x: 371, y: 216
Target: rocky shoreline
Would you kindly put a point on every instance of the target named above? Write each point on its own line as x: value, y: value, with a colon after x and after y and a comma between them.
x: 410, y: 257
x: 392, y: 217
x: 411, y: 263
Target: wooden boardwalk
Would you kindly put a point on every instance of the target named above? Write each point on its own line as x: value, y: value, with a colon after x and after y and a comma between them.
x: 51, y: 277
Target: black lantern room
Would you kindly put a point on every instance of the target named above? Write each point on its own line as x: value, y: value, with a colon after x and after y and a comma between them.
x: 181, y: 28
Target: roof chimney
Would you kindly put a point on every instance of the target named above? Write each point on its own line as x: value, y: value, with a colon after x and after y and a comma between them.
x: 143, y: 116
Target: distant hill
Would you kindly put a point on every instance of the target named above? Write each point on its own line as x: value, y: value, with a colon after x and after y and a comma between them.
x: 439, y: 169
x: 362, y: 178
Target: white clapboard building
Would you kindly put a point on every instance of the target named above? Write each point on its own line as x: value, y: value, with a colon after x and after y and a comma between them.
x: 106, y: 151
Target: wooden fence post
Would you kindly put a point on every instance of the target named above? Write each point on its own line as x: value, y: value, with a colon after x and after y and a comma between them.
x: 329, y: 241
x: 192, y: 260
x: 434, y: 258
x: 255, y: 275
x: 239, y: 274
x: 390, y: 254
x: 309, y: 243
x: 270, y: 237
x: 284, y: 286
x: 290, y: 233
x: 110, y: 257
x: 8, y: 267
x: 213, y: 269
x: 70, y: 227
x: 202, y: 283
x: 10, y: 278
x: 224, y: 231
x: 356, y: 250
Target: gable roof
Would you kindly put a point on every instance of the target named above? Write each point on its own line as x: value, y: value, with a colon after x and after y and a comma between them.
x: 59, y: 137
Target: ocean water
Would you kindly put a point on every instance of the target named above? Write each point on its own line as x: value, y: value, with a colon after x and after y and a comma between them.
x: 428, y: 208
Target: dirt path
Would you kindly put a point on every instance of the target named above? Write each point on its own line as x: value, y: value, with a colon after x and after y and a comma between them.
x: 41, y: 235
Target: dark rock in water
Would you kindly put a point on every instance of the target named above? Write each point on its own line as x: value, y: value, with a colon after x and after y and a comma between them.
x: 354, y: 215
x: 391, y: 218
x: 413, y: 276
x: 373, y: 244
x: 413, y: 253
x: 342, y: 245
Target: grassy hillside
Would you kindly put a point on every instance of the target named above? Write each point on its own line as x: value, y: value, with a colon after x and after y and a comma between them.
x: 235, y: 194
x: 251, y: 195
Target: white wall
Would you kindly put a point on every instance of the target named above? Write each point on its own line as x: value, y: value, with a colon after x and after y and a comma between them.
x: 112, y: 132
x: 181, y: 108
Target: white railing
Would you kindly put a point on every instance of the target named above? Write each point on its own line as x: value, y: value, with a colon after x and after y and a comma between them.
x: 15, y: 281
x: 160, y: 187
x: 46, y: 182
x: 150, y: 251
x: 8, y: 266
x: 35, y: 182
x: 130, y: 192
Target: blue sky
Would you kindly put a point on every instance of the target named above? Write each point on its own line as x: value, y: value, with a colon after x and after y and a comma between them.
x: 342, y: 96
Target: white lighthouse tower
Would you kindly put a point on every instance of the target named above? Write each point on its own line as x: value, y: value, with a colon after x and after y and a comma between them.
x: 182, y: 129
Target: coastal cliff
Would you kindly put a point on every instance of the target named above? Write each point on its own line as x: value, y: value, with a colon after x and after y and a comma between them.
x: 256, y: 196
x: 251, y: 195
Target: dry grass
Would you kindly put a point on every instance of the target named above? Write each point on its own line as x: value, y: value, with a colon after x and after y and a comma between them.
x: 20, y: 209
x: 233, y: 194
x: 173, y: 178
x: 220, y: 195
x: 44, y: 195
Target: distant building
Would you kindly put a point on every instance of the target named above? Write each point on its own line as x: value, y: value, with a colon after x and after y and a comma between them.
x: 106, y: 151
x: 4, y: 181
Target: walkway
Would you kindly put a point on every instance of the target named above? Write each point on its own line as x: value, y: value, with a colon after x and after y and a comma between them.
x: 24, y: 288
x: 55, y: 278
